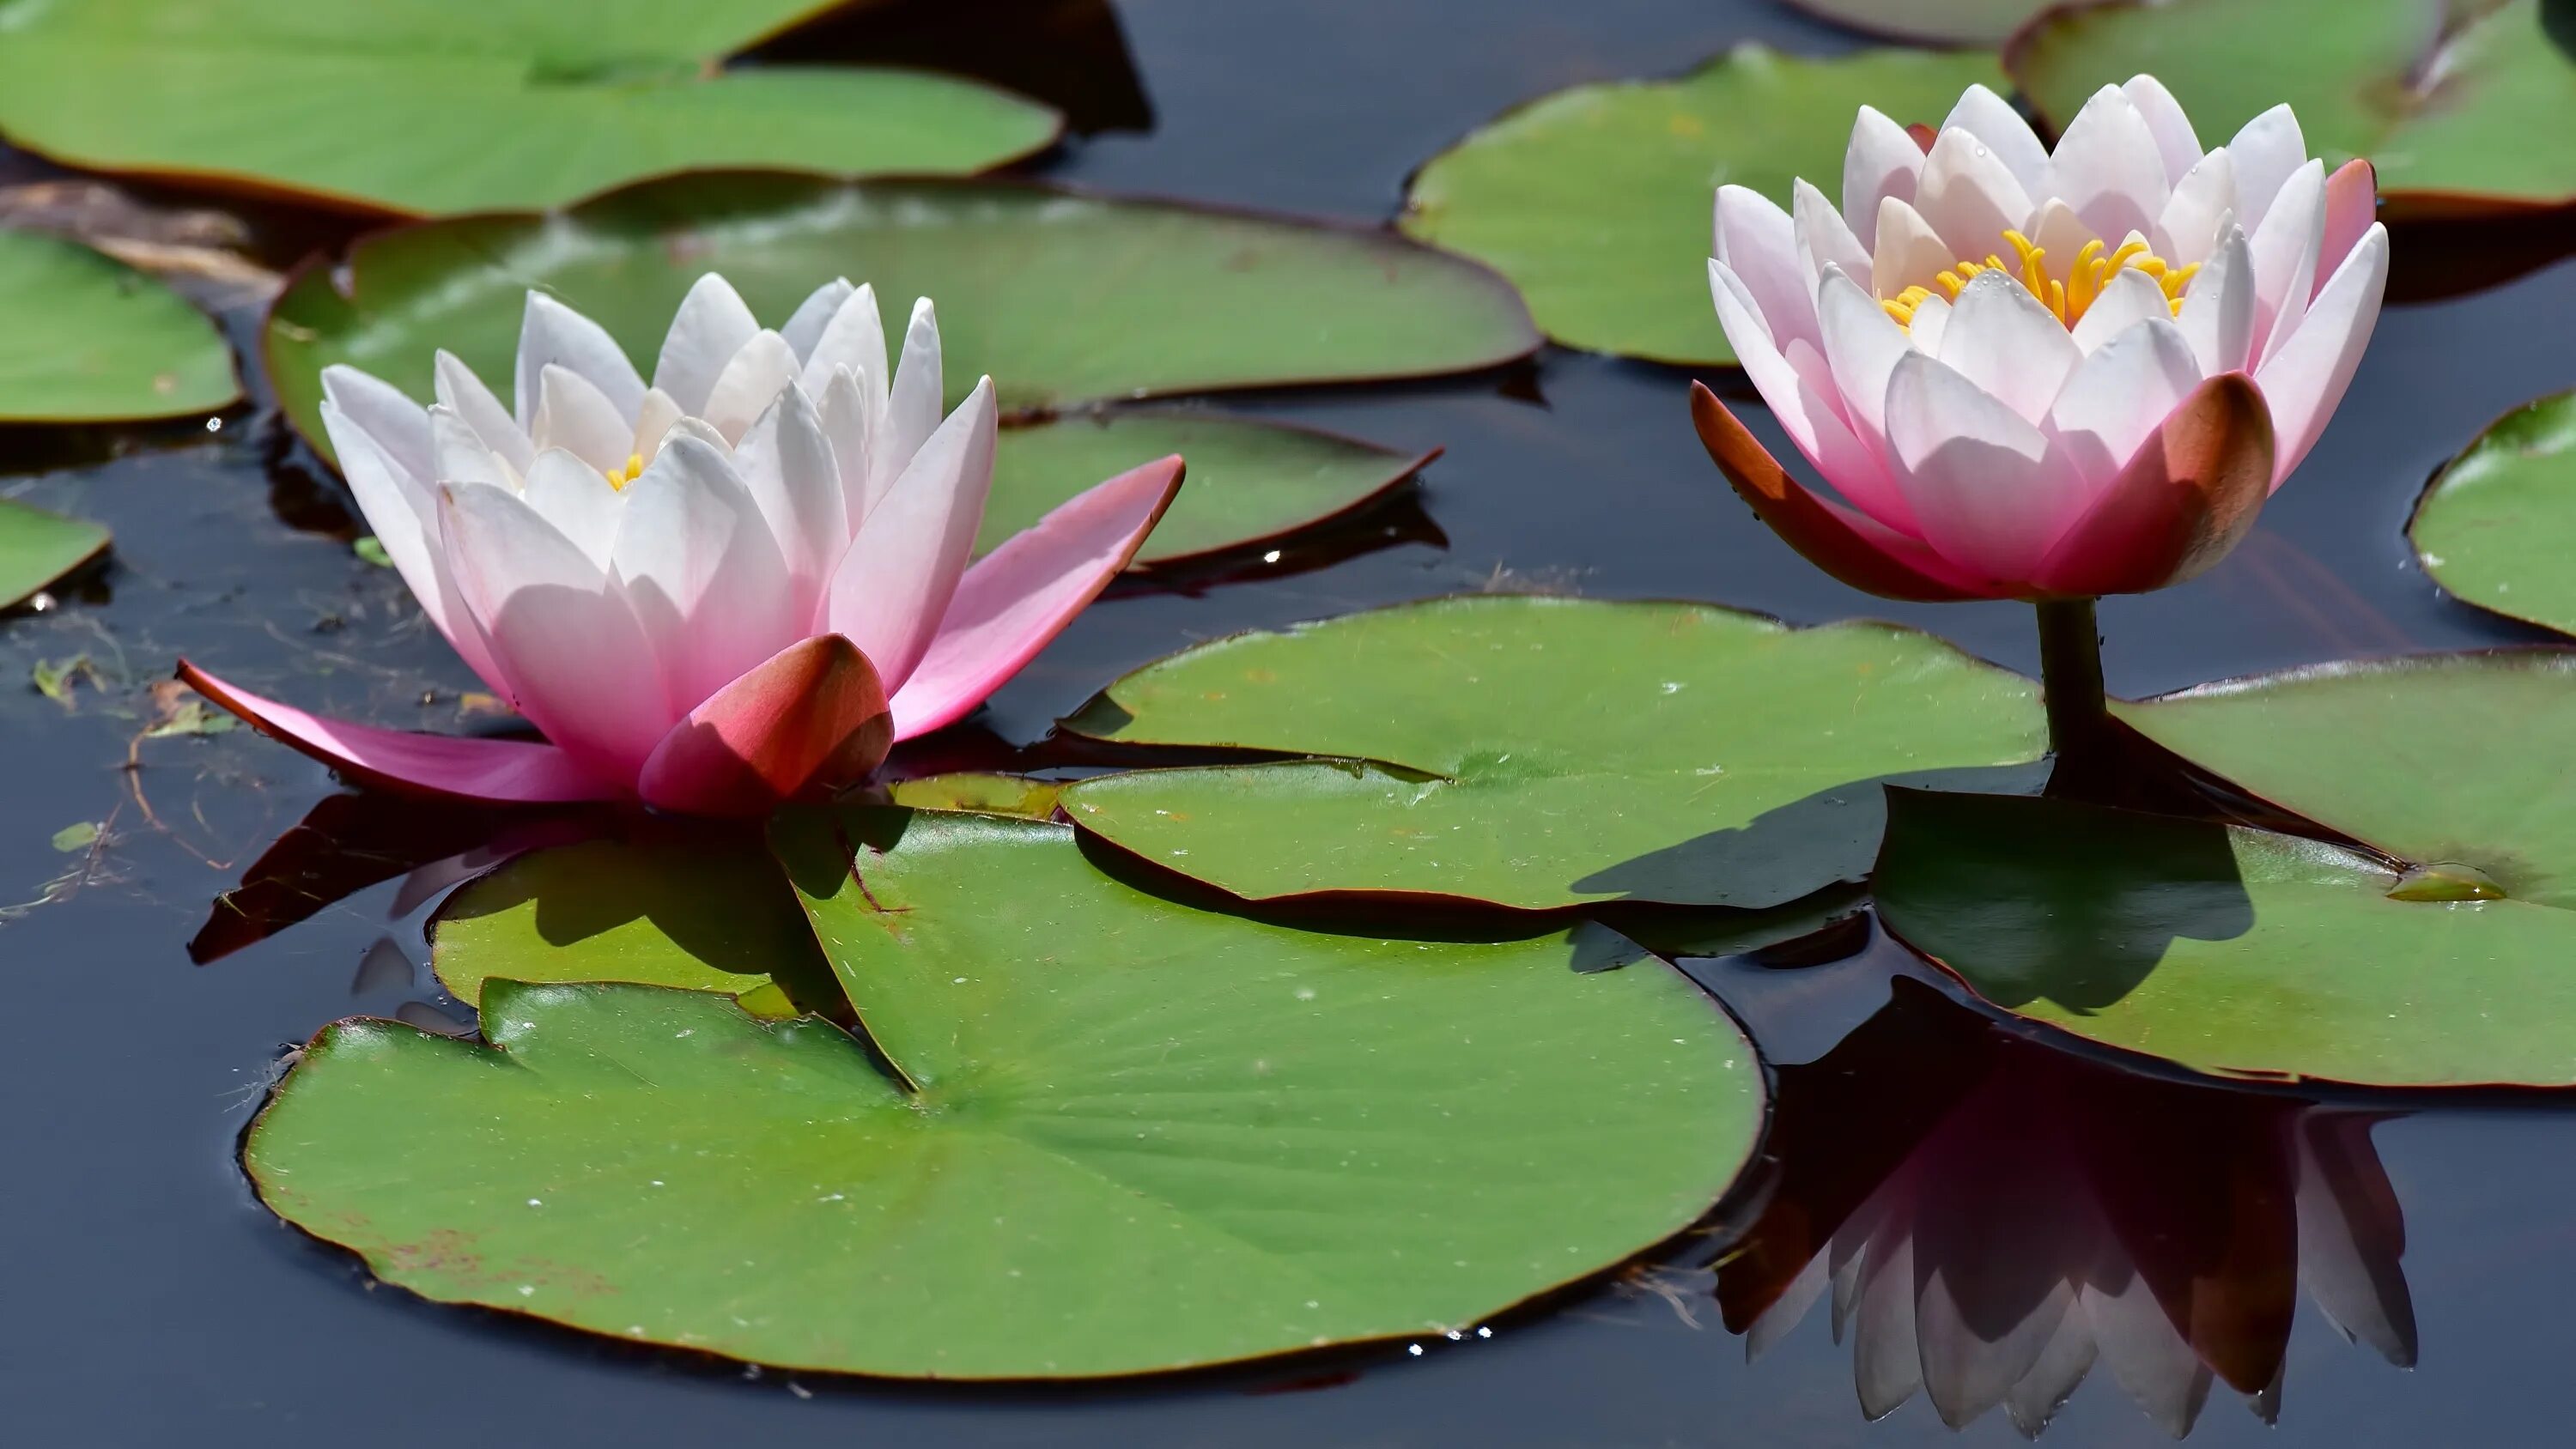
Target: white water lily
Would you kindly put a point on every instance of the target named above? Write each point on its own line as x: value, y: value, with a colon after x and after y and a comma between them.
x: 737, y: 583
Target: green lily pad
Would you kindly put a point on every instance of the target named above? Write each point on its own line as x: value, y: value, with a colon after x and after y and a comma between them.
x: 37, y: 548
x: 2496, y: 525
x: 1064, y: 297
x: 1144, y: 1137
x: 1941, y: 22
x: 1544, y: 752
x: 698, y: 915
x: 2225, y: 950
x: 984, y: 794
x: 1249, y: 481
x: 2460, y: 106
x: 1597, y: 200
x: 91, y: 339
x: 2451, y: 760
x: 413, y: 107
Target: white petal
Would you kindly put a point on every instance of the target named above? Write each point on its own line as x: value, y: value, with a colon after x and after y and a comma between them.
x: 654, y: 420
x: 2120, y: 396
x: 384, y: 412
x: 2218, y: 307
x: 2005, y: 343
x: 805, y: 327
x: 2058, y: 231
x: 786, y: 462
x: 1862, y: 344
x: 1991, y: 119
x: 1812, y: 417
x: 554, y: 334
x: 459, y: 388
x: 1881, y: 161
x: 402, y: 512
x: 1909, y: 252
x: 894, y: 585
x: 712, y: 324
x: 749, y: 384
x: 1824, y: 239
x: 2175, y: 139
x: 1969, y: 196
x: 2148, y: 1356
x: 2108, y: 167
x: 703, y: 573
x: 569, y: 493
x: 573, y: 415
x: 1976, y: 471
x: 2189, y: 225
x: 2129, y: 298
x: 2284, y: 249
x: 1757, y: 240
x: 855, y: 339
x: 459, y: 454
x: 1931, y: 320
x: 2268, y: 151
x: 2306, y: 378
x: 1887, y: 1363
x: 849, y: 424
x: 913, y: 406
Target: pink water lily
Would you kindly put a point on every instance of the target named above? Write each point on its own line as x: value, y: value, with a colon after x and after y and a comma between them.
x: 2035, y: 374
x: 738, y: 584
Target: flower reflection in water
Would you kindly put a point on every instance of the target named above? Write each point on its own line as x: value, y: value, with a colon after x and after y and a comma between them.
x: 1988, y: 1220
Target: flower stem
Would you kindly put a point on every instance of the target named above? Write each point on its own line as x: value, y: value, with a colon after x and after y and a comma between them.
x: 2070, y: 671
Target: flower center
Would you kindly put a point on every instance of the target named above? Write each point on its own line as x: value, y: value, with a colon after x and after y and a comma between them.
x: 633, y: 470
x: 2070, y: 297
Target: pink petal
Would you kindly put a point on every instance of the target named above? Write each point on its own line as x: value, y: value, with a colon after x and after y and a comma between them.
x: 384, y: 412
x: 2352, y: 204
x: 1824, y: 239
x: 1021, y: 595
x: 2306, y: 377
x: 2175, y: 139
x: 2109, y: 167
x: 1881, y: 161
x: 1991, y: 119
x: 404, y: 516
x: 809, y: 721
x: 462, y: 392
x: 1970, y: 196
x: 1812, y: 416
x: 513, y: 771
x: 1758, y: 242
x: 1908, y: 252
x: 894, y: 586
x: 1990, y: 492
x: 703, y: 574
x: 2117, y: 398
x: 2267, y: 152
x: 2188, y: 497
x: 2284, y: 249
x: 2012, y: 347
x: 2202, y: 201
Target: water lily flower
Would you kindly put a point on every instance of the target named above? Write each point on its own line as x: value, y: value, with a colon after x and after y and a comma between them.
x: 2043, y: 375
x: 737, y: 584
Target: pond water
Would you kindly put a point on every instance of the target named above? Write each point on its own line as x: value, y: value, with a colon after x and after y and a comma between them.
x: 145, y: 1297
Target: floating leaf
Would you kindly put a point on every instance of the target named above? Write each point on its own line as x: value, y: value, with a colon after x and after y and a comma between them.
x: 92, y: 339
x: 1597, y: 200
x: 1062, y: 296
x: 1249, y: 481
x: 2497, y: 524
x: 1957, y: 22
x: 2461, y: 106
x: 1543, y: 752
x: 2435, y: 759
x: 982, y: 793
x: 36, y: 550
x: 1144, y: 1136
x: 430, y: 108
x: 371, y: 549
x: 79, y: 835
x: 2226, y: 950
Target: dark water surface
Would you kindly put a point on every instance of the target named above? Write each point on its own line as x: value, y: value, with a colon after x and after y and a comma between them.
x: 146, y: 1298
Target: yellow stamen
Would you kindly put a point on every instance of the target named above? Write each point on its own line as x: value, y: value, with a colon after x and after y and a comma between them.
x: 2067, y: 298
x: 633, y: 470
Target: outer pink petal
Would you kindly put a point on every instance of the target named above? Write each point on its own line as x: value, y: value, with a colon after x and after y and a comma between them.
x: 810, y: 720
x: 510, y: 771
x: 1021, y: 595
x: 2188, y: 497
x: 2352, y: 204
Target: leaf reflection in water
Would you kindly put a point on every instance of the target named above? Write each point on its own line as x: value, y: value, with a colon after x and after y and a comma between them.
x: 1990, y: 1219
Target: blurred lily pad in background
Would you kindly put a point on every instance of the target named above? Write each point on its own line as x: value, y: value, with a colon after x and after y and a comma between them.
x: 1126, y: 1135
x: 1938, y: 22
x: 1596, y: 201
x: 91, y: 339
x: 2462, y: 105
x: 38, y: 548
x: 1064, y: 297
x: 458, y: 105
x: 1539, y: 753
x: 2497, y: 526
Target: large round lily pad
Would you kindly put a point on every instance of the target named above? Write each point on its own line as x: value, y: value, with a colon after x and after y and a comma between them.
x: 1062, y: 296
x: 2462, y: 107
x: 91, y: 339
x: 2498, y: 523
x: 1597, y: 201
x: 1137, y: 1137
x: 1249, y: 481
x: 409, y: 106
x: 1957, y: 22
x: 1544, y: 752
x: 37, y: 548
x: 2226, y: 950
x: 2457, y: 759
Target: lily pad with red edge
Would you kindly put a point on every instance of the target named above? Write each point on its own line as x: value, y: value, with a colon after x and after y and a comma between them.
x: 1937, y: 22
x: 1108, y: 1134
x: 91, y: 339
x: 38, y: 549
x: 2462, y: 107
x: 422, y: 108
x: 1596, y: 200
x: 1540, y: 753
x: 1250, y: 481
x: 1064, y: 297
x: 2228, y: 951
x: 2495, y: 526
x: 2458, y: 761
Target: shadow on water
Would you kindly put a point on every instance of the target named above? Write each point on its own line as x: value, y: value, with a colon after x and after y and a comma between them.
x: 1071, y: 54
x: 1990, y: 1220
